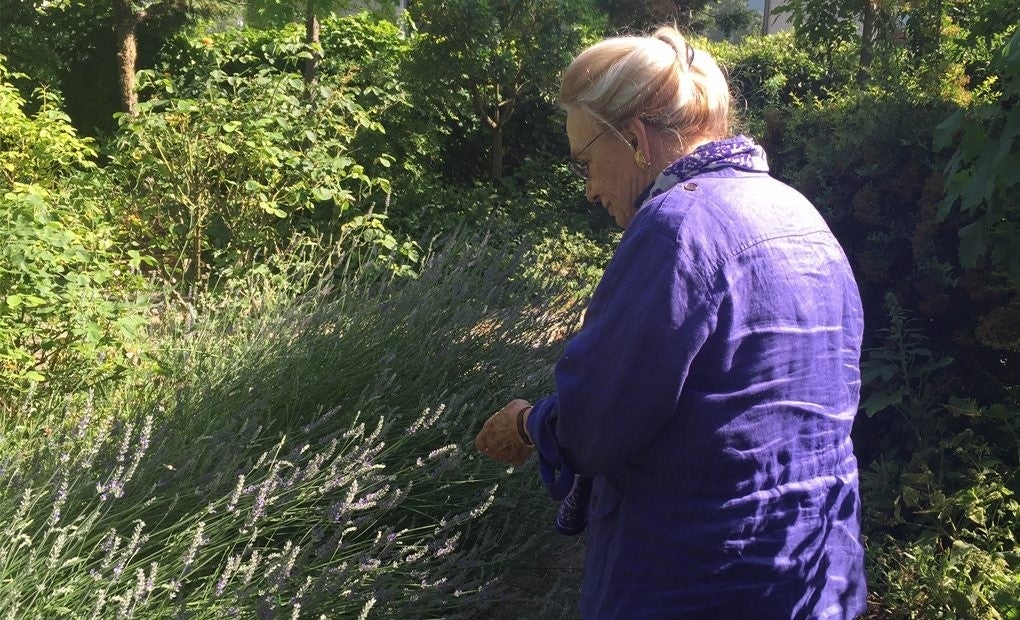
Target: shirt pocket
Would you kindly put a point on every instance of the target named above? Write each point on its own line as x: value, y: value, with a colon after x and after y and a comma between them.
x: 603, y: 516
x: 605, y: 497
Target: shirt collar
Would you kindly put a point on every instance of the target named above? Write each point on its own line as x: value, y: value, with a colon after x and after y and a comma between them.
x: 738, y: 152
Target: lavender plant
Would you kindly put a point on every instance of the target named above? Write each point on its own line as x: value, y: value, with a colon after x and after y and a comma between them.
x: 302, y: 457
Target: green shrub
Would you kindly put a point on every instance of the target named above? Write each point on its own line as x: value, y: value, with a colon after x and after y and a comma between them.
x: 37, y: 149
x: 982, y: 178
x: 921, y: 580
x: 767, y: 73
x: 941, y: 514
x: 570, y: 259
x: 363, y: 53
x: 218, y: 180
x: 67, y: 313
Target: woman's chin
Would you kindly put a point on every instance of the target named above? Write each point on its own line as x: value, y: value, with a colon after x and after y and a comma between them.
x: 622, y: 217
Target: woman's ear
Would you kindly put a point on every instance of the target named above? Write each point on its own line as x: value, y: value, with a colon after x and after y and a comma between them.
x: 636, y: 133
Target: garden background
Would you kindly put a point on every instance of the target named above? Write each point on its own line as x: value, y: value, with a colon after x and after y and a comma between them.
x: 268, y: 265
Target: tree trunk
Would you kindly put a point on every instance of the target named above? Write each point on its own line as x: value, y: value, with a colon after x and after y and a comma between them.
x: 496, y: 133
x: 312, y: 39
x: 125, y: 23
x: 868, y: 26
x: 496, y: 123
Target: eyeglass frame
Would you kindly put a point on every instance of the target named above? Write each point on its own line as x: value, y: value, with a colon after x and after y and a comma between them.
x: 578, y: 167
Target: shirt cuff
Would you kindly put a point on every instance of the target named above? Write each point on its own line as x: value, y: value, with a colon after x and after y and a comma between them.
x: 541, y: 427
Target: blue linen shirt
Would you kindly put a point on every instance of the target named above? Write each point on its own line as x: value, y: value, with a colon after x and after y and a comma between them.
x: 711, y: 392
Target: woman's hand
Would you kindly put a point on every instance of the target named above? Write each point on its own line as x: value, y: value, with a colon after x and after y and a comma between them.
x: 499, y: 438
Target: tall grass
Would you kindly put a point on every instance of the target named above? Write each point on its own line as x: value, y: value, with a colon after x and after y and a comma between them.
x: 291, y: 457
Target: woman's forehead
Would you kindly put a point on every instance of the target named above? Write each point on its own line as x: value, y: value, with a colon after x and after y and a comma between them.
x: 581, y: 127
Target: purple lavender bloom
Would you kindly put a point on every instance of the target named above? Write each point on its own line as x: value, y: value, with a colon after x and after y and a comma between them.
x: 221, y: 584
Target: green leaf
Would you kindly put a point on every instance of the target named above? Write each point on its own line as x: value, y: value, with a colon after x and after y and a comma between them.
x: 944, y: 132
x: 14, y: 300
x: 911, y: 497
x: 881, y: 401
x: 322, y: 194
x: 224, y: 147
x: 973, y: 242
x: 271, y: 207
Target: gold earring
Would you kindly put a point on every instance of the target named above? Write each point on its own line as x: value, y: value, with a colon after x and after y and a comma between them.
x: 639, y: 159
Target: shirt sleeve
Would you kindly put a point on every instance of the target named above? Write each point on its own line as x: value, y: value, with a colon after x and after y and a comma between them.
x: 619, y: 380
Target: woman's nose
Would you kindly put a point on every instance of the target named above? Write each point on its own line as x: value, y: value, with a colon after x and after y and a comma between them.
x: 589, y: 193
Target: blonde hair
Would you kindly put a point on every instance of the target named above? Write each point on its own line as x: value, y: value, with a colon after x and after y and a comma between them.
x: 658, y: 78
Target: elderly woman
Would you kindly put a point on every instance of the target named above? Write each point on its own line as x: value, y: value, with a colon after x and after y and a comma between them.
x: 711, y: 390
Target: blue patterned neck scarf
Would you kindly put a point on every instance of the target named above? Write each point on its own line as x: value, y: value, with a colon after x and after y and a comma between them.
x: 738, y: 152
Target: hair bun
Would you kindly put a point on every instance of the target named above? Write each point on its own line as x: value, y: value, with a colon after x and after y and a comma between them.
x: 627, y: 77
x: 672, y: 37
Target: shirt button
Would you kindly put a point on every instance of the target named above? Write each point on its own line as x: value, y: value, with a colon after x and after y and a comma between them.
x: 690, y: 186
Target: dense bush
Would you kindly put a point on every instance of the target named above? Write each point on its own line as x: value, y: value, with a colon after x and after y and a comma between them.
x: 495, y: 60
x: 39, y: 148
x: 768, y: 73
x: 938, y: 442
x: 67, y: 316
x: 233, y: 172
x: 982, y: 173
x: 941, y: 509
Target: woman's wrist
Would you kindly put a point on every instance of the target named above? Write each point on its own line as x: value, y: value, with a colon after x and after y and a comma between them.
x: 522, y: 430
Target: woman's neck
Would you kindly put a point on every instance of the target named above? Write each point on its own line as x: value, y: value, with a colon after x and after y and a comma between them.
x: 669, y: 147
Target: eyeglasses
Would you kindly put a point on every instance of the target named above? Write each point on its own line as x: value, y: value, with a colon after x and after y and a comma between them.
x: 578, y: 167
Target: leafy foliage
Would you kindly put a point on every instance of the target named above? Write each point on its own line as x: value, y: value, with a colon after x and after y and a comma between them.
x: 233, y: 170
x: 942, y: 514
x: 926, y: 43
x: 769, y: 73
x: 37, y: 149
x: 66, y: 315
x: 903, y: 371
x: 77, y: 47
x: 642, y: 14
x: 823, y: 22
x: 275, y: 13
x: 64, y: 318
x: 494, y: 54
x: 727, y: 20
x: 26, y: 53
x: 982, y: 176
